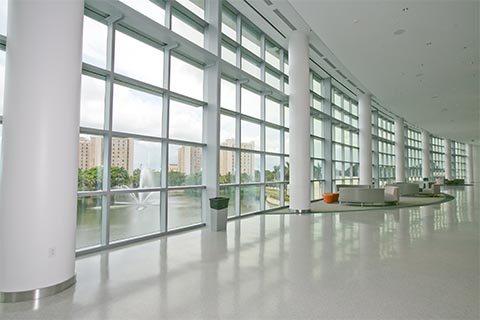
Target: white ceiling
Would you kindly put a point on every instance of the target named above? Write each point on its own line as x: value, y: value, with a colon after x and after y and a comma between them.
x: 429, y: 74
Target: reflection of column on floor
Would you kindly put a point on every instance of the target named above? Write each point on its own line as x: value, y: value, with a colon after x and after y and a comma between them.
x: 262, y: 291
x: 369, y: 244
x: 471, y: 204
x: 428, y: 221
x: 327, y: 249
x: 402, y: 237
x: 213, y: 250
x: 163, y: 274
x: 300, y: 252
x: 236, y: 266
x: 450, y: 212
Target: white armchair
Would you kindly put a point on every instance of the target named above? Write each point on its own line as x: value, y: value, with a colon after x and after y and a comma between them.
x: 392, y: 194
x: 433, y: 191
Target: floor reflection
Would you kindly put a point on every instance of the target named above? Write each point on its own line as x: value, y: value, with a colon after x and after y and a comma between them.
x: 405, y: 262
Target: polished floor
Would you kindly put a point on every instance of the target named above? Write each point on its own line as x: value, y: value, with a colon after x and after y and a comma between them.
x: 411, y: 263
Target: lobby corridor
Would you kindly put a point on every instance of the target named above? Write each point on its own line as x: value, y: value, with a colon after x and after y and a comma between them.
x: 412, y: 263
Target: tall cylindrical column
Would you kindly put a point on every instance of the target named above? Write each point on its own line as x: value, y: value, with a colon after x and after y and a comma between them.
x: 399, y: 150
x: 40, y: 147
x: 299, y: 122
x: 365, y: 138
x: 425, y: 154
x: 469, y: 148
x: 448, y: 159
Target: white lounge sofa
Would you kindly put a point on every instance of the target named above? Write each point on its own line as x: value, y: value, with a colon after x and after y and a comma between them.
x: 406, y: 188
x: 390, y: 194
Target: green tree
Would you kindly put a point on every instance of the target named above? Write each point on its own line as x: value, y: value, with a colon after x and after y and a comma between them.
x: 176, y: 178
x: 136, y: 178
x: 194, y: 179
x: 119, y: 177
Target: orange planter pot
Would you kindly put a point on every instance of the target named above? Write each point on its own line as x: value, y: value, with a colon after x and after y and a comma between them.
x: 330, y: 197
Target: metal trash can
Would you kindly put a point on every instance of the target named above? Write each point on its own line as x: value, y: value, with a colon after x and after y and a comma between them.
x: 218, y: 213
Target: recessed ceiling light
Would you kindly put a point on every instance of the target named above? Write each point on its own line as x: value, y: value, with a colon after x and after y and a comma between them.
x: 445, y: 109
x: 399, y: 32
x: 405, y: 9
x: 464, y: 48
x: 435, y: 97
x: 419, y: 75
x: 429, y: 43
x: 355, y: 21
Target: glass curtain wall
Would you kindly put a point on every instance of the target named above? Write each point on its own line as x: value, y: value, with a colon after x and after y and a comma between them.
x: 386, y: 150
x: 254, y: 166
x: 437, y: 155
x: 459, y: 160
x: 345, y: 148
x: 413, y: 146
x: 317, y: 139
x: 140, y: 167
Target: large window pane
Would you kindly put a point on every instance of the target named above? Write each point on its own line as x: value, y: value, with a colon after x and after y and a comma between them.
x: 147, y: 8
x: 272, y: 111
x: 2, y: 79
x: 92, y: 106
x: 272, y: 79
x: 229, y: 192
x: 90, y: 163
x: 182, y: 114
x: 185, y: 165
x: 317, y: 169
x: 3, y: 16
x: 272, y: 196
x: 250, y: 138
x: 195, y: 6
x: 317, y: 148
x: 227, y: 94
x: 227, y: 131
x: 272, y: 168
x: 187, y: 29
x: 135, y: 163
x: 272, y: 140
x: 136, y: 112
x: 229, y: 55
x: 147, y: 64
x: 227, y: 166
x: 94, y: 42
x: 133, y: 214
x: 250, y: 103
x: 229, y: 24
x: 89, y: 219
x: 272, y: 55
x: 249, y: 199
x: 249, y: 167
x: 184, y: 208
x: 186, y: 79
x: 250, y: 67
x: 251, y: 39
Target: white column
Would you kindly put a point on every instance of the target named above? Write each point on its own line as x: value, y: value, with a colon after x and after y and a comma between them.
x: 365, y: 138
x: 211, y: 119
x: 448, y: 159
x: 469, y: 163
x: 399, y: 150
x: 425, y: 154
x: 299, y: 110
x: 38, y: 189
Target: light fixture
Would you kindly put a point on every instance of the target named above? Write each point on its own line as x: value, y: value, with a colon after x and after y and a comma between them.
x: 419, y: 75
x: 429, y: 43
x: 399, y: 32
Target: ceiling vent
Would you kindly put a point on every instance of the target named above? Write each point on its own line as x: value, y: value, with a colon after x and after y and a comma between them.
x: 284, y: 19
x: 329, y: 63
x: 268, y: 2
x: 341, y: 73
x: 316, y: 51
